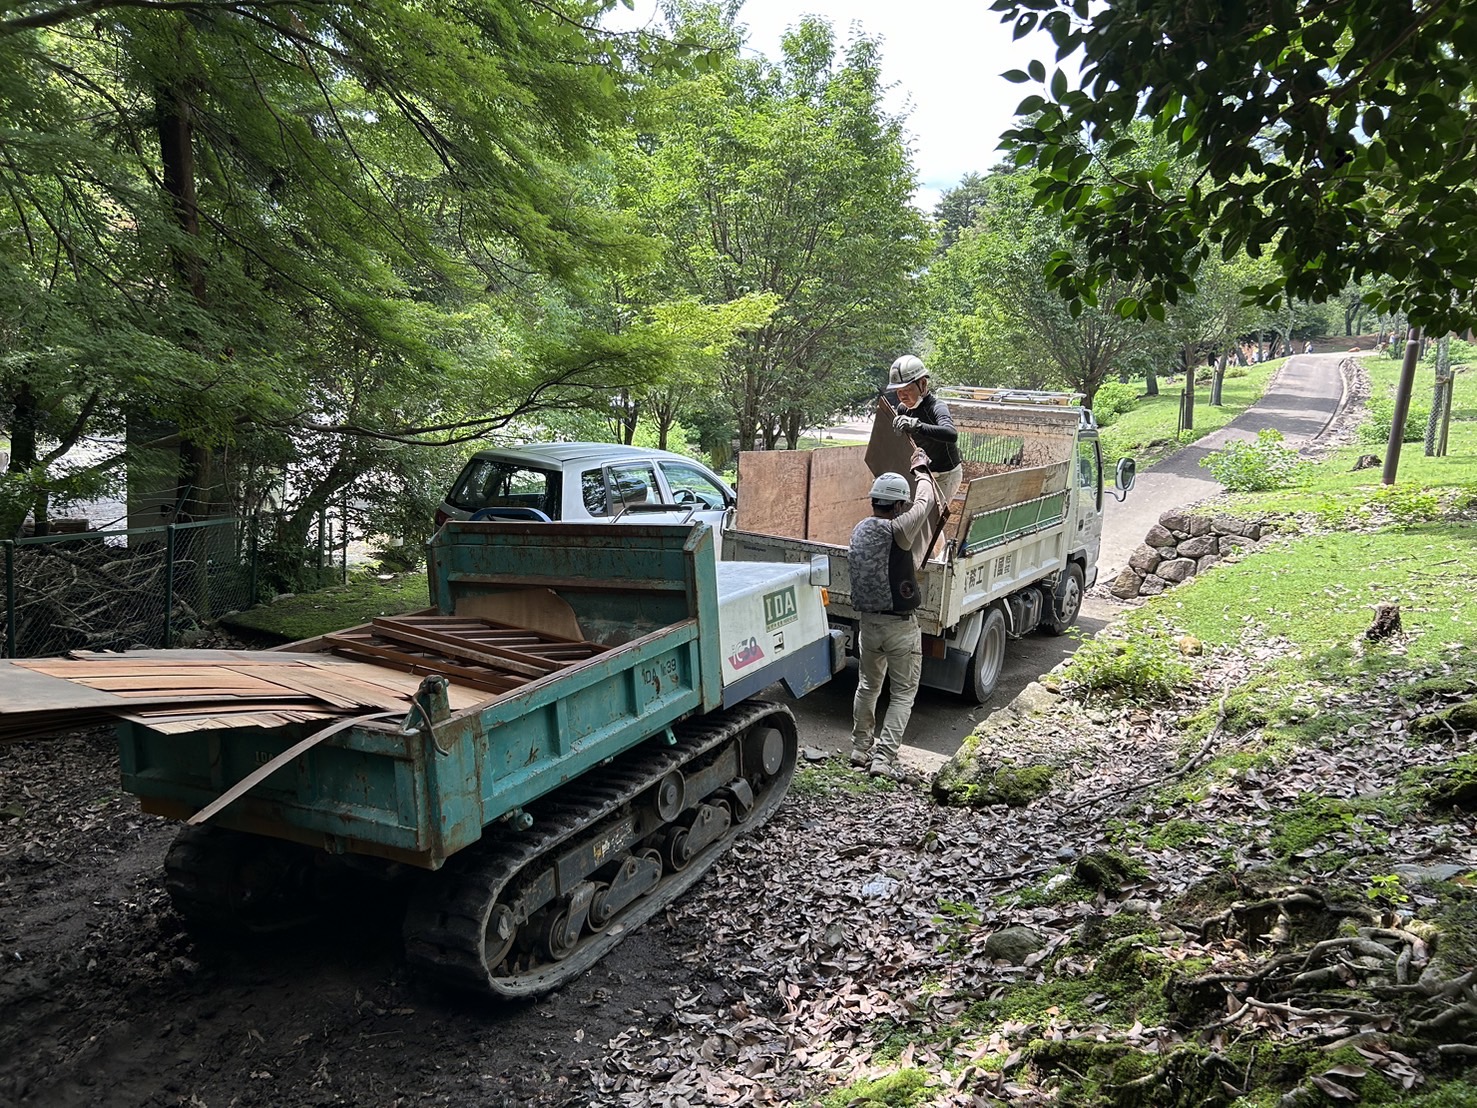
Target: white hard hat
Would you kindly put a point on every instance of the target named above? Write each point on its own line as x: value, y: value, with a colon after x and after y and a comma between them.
x: 905, y: 371
x: 890, y: 487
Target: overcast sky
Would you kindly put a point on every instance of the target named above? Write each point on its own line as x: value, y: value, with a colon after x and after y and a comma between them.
x: 944, y: 59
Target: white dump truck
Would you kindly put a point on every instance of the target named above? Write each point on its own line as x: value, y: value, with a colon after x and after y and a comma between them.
x: 1014, y: 554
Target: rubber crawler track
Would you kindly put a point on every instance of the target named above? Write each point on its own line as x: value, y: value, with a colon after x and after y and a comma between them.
x: 445, y: 925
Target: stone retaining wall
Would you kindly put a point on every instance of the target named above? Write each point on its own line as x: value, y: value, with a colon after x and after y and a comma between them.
x: 1179, y: 546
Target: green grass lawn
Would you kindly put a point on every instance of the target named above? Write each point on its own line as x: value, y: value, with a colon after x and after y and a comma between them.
x: 1147, y: 432
x: 308, y: 614
x: 1348, y: 543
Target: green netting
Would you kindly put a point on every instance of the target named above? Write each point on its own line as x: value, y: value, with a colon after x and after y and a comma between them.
x: 1003, y: 524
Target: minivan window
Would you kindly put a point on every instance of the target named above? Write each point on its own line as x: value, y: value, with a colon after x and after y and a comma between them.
x: 489, y: 483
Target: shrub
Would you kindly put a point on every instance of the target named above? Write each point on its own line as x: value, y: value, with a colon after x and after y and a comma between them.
x: 1336, y: 513
x: 1408, y: 504
x: 1461, y: 353
x: 1112, y: 399
x: 1380, y: 416
x: 1257, y: 466
x: 1146, y: 668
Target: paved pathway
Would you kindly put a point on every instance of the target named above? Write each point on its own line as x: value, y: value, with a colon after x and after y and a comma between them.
x: 1300, y: 402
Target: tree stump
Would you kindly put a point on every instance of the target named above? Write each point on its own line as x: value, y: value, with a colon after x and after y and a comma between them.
x: 1386, y: 622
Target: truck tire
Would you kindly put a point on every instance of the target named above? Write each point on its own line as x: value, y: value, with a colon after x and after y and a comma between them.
x: 1066, y: 605
x: 987, y: 660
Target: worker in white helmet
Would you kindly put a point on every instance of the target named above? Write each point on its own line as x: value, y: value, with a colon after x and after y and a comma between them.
x: 887, y: 549
x: 925, y: 419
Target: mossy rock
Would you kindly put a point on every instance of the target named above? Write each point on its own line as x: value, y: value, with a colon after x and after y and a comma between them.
x: 1453, y: 784
x: 1107, y: 870
x: 1122, y: 1076
x: 1013, y: 755
x: 957, y: 784
x: 1459, y: 717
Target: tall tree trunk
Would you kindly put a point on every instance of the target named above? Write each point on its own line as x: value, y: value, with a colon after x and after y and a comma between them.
x: 177, y: 158
x: 793, y: 427
x: 1217, y: 380
x: 192, y: 492
x: 1151, y: 382
x: 23, y: 419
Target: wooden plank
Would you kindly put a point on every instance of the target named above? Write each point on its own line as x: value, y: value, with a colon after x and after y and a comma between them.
x: 397, y: 680
x: 273, y: 657
x: 197, y: 710
x: 549, y: 650
x: 171, y: 725
x: 840, y: 493
x: 773, y: 492
x: 344, y: 691
x: 485, y: 654
x: 45, y: 725
x: 422, y: 664
x: 999, y: 489
x: 222, y: 681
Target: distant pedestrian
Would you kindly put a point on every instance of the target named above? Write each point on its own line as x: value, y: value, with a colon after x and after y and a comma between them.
x: 1308, y: 347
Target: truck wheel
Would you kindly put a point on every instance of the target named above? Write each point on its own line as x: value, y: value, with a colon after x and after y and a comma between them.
x: 988, y: 659
x: 1067, y: 603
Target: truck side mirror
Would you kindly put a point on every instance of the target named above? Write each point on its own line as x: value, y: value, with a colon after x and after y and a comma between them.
x: 1123, y: 479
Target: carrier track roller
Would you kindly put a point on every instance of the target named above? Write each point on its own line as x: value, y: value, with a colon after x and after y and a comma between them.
x: 521, y: 913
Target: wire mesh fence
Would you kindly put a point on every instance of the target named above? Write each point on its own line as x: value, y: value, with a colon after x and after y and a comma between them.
x: 116, y: 589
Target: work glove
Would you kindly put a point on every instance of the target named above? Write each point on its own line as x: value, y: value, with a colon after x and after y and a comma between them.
x: 905, y: 424
x: 919, y: 462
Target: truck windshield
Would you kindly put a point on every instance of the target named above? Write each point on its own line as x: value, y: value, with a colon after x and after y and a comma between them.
x: 490, y: 483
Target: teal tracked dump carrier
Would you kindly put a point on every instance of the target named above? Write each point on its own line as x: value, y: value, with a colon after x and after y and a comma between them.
x: 574, y: 746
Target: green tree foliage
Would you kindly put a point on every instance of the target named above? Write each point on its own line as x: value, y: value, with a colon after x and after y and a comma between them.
x: 958, y: 208
x: 1336, y: 138
x: 991, y: 305
x: 788, y: 179
x: 303, y: 229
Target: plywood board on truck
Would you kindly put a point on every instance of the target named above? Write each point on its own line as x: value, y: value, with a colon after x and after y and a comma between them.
x: 839, y: 495
x: 888, y: 451
x: 773, y: 496
x: 535, y: 609
x: 985, y: 494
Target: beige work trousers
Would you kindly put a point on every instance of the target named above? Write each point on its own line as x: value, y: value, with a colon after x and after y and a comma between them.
x: 947, y: 485
x: 887, y: 645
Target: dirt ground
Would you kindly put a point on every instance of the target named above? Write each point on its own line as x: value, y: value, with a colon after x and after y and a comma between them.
x: 847, y: 939
x: 106, y: 1000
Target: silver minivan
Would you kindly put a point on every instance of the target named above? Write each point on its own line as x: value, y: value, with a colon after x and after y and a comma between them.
x: 588, y: 482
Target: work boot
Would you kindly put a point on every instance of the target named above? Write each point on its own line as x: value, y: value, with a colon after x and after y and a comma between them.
x: 860, y: 759
x: 881, y: 767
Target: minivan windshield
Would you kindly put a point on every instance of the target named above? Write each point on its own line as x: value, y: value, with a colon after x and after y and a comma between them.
x: 490, y: 483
